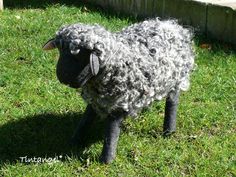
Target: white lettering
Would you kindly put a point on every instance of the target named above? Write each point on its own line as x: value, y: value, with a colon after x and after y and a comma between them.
x: 26, y: 159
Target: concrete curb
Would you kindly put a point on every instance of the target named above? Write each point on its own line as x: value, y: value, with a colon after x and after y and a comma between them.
x: 1, y: 4
x: 216, y: 18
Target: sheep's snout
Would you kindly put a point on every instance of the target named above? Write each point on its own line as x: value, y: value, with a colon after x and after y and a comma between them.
x: 70, y: 66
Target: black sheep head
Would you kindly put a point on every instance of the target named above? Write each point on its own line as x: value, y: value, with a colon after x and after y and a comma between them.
x: 74, y: 69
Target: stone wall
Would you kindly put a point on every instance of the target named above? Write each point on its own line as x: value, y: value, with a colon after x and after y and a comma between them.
x: 216, y: 18
x: 1, y: 4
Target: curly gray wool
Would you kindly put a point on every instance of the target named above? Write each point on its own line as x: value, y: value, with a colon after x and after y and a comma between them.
x: 142, y: 63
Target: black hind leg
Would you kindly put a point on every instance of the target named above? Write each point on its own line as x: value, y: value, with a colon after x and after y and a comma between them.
x: 170, y: 113
x: 83, y: 126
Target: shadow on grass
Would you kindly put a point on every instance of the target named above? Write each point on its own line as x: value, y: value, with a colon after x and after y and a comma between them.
x: 45, y: 135
x: 201, y: 40
x: 41, y: 3
x: 213, y: 45
x: 83, y: 4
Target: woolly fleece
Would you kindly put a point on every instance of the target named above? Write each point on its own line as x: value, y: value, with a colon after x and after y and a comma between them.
x: 142, y: 63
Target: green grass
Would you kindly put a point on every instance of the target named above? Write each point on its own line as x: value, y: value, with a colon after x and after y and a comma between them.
x: 38, y: 114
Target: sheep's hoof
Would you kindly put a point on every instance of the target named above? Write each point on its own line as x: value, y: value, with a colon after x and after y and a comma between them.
x: 74, y: 141
x: 168, y: 133
x: 106, y: 159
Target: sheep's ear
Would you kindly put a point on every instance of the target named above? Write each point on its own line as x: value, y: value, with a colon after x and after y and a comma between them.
x: 94, y: 64
x: 51, y: 44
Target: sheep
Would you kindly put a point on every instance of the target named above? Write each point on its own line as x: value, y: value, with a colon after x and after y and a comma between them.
x: 121, y: 73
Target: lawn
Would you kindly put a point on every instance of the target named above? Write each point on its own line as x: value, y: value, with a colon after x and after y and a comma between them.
x: 38, y: 114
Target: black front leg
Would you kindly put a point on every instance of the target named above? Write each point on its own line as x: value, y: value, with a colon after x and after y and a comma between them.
x: 170, y: 114
x: 112, y: 133
x: 84, y: 124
